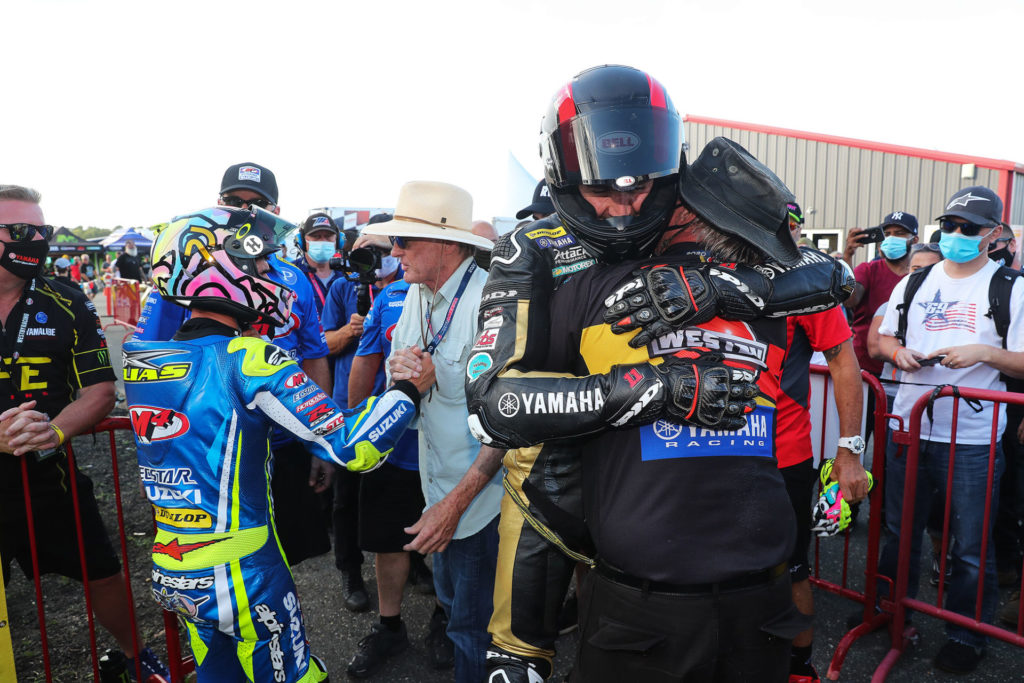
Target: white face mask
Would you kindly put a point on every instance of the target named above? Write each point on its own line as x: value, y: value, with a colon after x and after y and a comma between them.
x: 388, y: 265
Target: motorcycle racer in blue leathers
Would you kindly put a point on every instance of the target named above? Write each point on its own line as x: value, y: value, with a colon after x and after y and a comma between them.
x: 202, y: 406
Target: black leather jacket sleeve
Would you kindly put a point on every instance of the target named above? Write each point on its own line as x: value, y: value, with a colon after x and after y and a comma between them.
x: 504, y: 382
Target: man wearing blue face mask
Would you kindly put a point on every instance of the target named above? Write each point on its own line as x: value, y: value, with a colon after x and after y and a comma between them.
x: 319, y: 241
x: 946, y: 317
x: 875, y: 282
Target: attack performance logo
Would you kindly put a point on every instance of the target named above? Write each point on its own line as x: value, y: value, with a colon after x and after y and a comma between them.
x: 157, y: 424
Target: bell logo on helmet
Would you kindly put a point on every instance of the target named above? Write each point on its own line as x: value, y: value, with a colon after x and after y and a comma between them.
x: 625, y: 181
x: 618, y: 142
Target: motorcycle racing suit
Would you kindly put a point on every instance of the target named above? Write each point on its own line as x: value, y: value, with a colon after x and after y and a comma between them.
x: 541, y: 527
x: 202, y: 407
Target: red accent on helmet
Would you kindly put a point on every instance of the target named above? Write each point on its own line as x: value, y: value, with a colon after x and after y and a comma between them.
x: 657, y: 93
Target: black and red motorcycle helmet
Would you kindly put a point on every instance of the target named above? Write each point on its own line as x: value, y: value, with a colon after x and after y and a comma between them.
x: 616, y: 126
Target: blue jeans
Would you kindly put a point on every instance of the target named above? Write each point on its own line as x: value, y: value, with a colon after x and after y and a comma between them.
x: 967, y: 517
x: 464, y: 581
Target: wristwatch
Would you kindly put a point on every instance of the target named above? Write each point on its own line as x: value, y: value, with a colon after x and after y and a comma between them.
x: 855, y: 444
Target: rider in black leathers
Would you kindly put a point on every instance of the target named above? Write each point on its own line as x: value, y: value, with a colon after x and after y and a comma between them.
x: 589, y: 128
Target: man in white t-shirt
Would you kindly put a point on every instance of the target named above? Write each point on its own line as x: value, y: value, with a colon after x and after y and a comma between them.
x: 947, y: 320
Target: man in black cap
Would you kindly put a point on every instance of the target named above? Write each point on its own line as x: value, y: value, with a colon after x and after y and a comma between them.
x: 248, y: 184
x: 875, y: 282
x: 938, y: 331
x: 541, y: 206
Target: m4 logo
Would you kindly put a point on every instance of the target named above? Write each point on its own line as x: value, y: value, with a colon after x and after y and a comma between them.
x: 157, y: 424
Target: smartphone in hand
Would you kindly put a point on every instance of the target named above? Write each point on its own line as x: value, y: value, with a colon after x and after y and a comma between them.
x: 929, y: 361
x: 870, y: 236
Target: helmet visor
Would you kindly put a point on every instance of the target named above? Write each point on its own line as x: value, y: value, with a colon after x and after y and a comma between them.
x: 620, y: 146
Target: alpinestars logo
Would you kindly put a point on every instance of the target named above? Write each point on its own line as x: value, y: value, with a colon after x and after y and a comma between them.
x: 962, y: 201
x: 177, y: 550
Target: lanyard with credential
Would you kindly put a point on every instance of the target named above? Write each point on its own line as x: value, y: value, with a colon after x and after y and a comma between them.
x: 451, y: 310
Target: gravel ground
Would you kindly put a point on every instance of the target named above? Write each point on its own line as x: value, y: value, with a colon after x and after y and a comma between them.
x: 334, y: 632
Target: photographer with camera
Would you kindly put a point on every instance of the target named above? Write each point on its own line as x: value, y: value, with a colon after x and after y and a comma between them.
x: 348, y: 301
x: 875, y: 281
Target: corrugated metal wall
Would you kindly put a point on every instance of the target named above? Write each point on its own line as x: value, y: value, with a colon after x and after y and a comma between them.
x: 844, y: 187
x: 1017, y: 200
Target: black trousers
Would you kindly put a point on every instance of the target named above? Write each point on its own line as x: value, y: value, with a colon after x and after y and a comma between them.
x: 737, y: 636
x: 298, y: 511
x: 347, y: 555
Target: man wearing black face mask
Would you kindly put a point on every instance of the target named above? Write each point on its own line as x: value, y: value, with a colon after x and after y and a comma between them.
x: 1003, y: 249
x: 52, y: 348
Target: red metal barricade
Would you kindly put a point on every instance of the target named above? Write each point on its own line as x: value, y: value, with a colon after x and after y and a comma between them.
x: 179, y: 667
x: 843, y: 585
x: 910, y: 441
x: 124, y: 302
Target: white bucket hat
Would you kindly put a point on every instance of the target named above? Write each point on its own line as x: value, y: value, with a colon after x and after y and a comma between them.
x: 433, y: 210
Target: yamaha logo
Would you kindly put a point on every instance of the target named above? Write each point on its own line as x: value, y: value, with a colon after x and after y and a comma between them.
x: 508, y: 405
x: 667, y: 431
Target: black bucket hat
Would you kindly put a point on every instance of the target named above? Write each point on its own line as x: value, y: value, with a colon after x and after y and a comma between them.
x: 737, y: 194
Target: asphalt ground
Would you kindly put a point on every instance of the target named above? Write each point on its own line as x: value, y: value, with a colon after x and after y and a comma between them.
x: 334, y: 632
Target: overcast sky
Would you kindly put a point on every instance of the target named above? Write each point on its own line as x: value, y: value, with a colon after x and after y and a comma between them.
x: 127, y: 113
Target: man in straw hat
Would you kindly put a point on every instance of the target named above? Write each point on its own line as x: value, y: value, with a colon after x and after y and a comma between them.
x: 432, y: 236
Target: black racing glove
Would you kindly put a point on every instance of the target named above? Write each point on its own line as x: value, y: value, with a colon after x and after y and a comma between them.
x: 698, y: 390
x: 706, y: 393
x: 660, y: 299
x: 818, y: 282
x: 505, y: 667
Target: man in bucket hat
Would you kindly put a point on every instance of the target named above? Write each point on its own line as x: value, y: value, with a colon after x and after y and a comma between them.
x: 751, y: 229
x: 631, y: 155
x: 432, y: 236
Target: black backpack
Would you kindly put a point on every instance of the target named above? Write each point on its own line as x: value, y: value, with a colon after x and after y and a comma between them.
x: 999, y: 288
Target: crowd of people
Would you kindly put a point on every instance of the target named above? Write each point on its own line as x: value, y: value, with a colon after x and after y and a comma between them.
x: 589, y: 396
x: 80, y: 272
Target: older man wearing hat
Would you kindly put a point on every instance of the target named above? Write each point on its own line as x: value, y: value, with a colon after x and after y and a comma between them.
x: 432, y: 236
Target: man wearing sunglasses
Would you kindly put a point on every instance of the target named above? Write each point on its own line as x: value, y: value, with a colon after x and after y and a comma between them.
x: 947, y: 320
x: 52, y: 349
x: 1003, y: 249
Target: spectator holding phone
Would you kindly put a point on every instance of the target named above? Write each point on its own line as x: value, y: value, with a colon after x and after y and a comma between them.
x: 876, y: 280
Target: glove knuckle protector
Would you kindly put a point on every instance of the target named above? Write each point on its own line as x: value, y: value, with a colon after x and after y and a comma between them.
x: 707, y: 393
x: 659, y: 300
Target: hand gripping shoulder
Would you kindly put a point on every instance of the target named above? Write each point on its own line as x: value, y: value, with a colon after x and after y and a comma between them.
x: 818, y: 282
x: 659, y: 299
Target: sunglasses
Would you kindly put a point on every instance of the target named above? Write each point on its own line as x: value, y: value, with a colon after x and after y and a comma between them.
x: 237, y: 202
x: 23, y: 232
x: 404, y: 242
x: 966, y: 229
x: 994, y: 244
x: 930, y: 246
